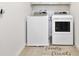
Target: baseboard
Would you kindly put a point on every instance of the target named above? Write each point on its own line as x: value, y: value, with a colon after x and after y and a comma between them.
x: 37, y: 45
x: 77, y: 47
x: 20, y: 50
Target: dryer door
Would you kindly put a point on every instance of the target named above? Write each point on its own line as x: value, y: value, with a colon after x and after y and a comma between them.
x: 62, y: 26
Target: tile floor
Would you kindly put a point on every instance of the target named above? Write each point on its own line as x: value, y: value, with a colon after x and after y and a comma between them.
x: 50, y: 51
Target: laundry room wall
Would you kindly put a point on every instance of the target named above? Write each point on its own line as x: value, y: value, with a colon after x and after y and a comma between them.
x: 12, y: 27
x: 51, y: 7
x: 74, y: 9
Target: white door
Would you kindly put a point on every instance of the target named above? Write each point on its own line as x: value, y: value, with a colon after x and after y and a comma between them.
x: 37, y: 31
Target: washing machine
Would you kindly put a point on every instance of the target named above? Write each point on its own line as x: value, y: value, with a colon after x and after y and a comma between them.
x: 62, y: 30
x: 37, y: 31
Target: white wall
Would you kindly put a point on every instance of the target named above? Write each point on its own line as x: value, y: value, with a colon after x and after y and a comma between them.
x: 75, y: 12
x: 12, y: 27
x: 52, y: 7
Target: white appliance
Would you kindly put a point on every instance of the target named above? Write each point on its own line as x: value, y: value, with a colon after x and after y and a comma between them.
x: 37, y: 31
x: 62, y: 30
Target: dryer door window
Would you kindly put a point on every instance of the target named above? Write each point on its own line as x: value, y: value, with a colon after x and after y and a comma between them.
x: 62, y: 26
